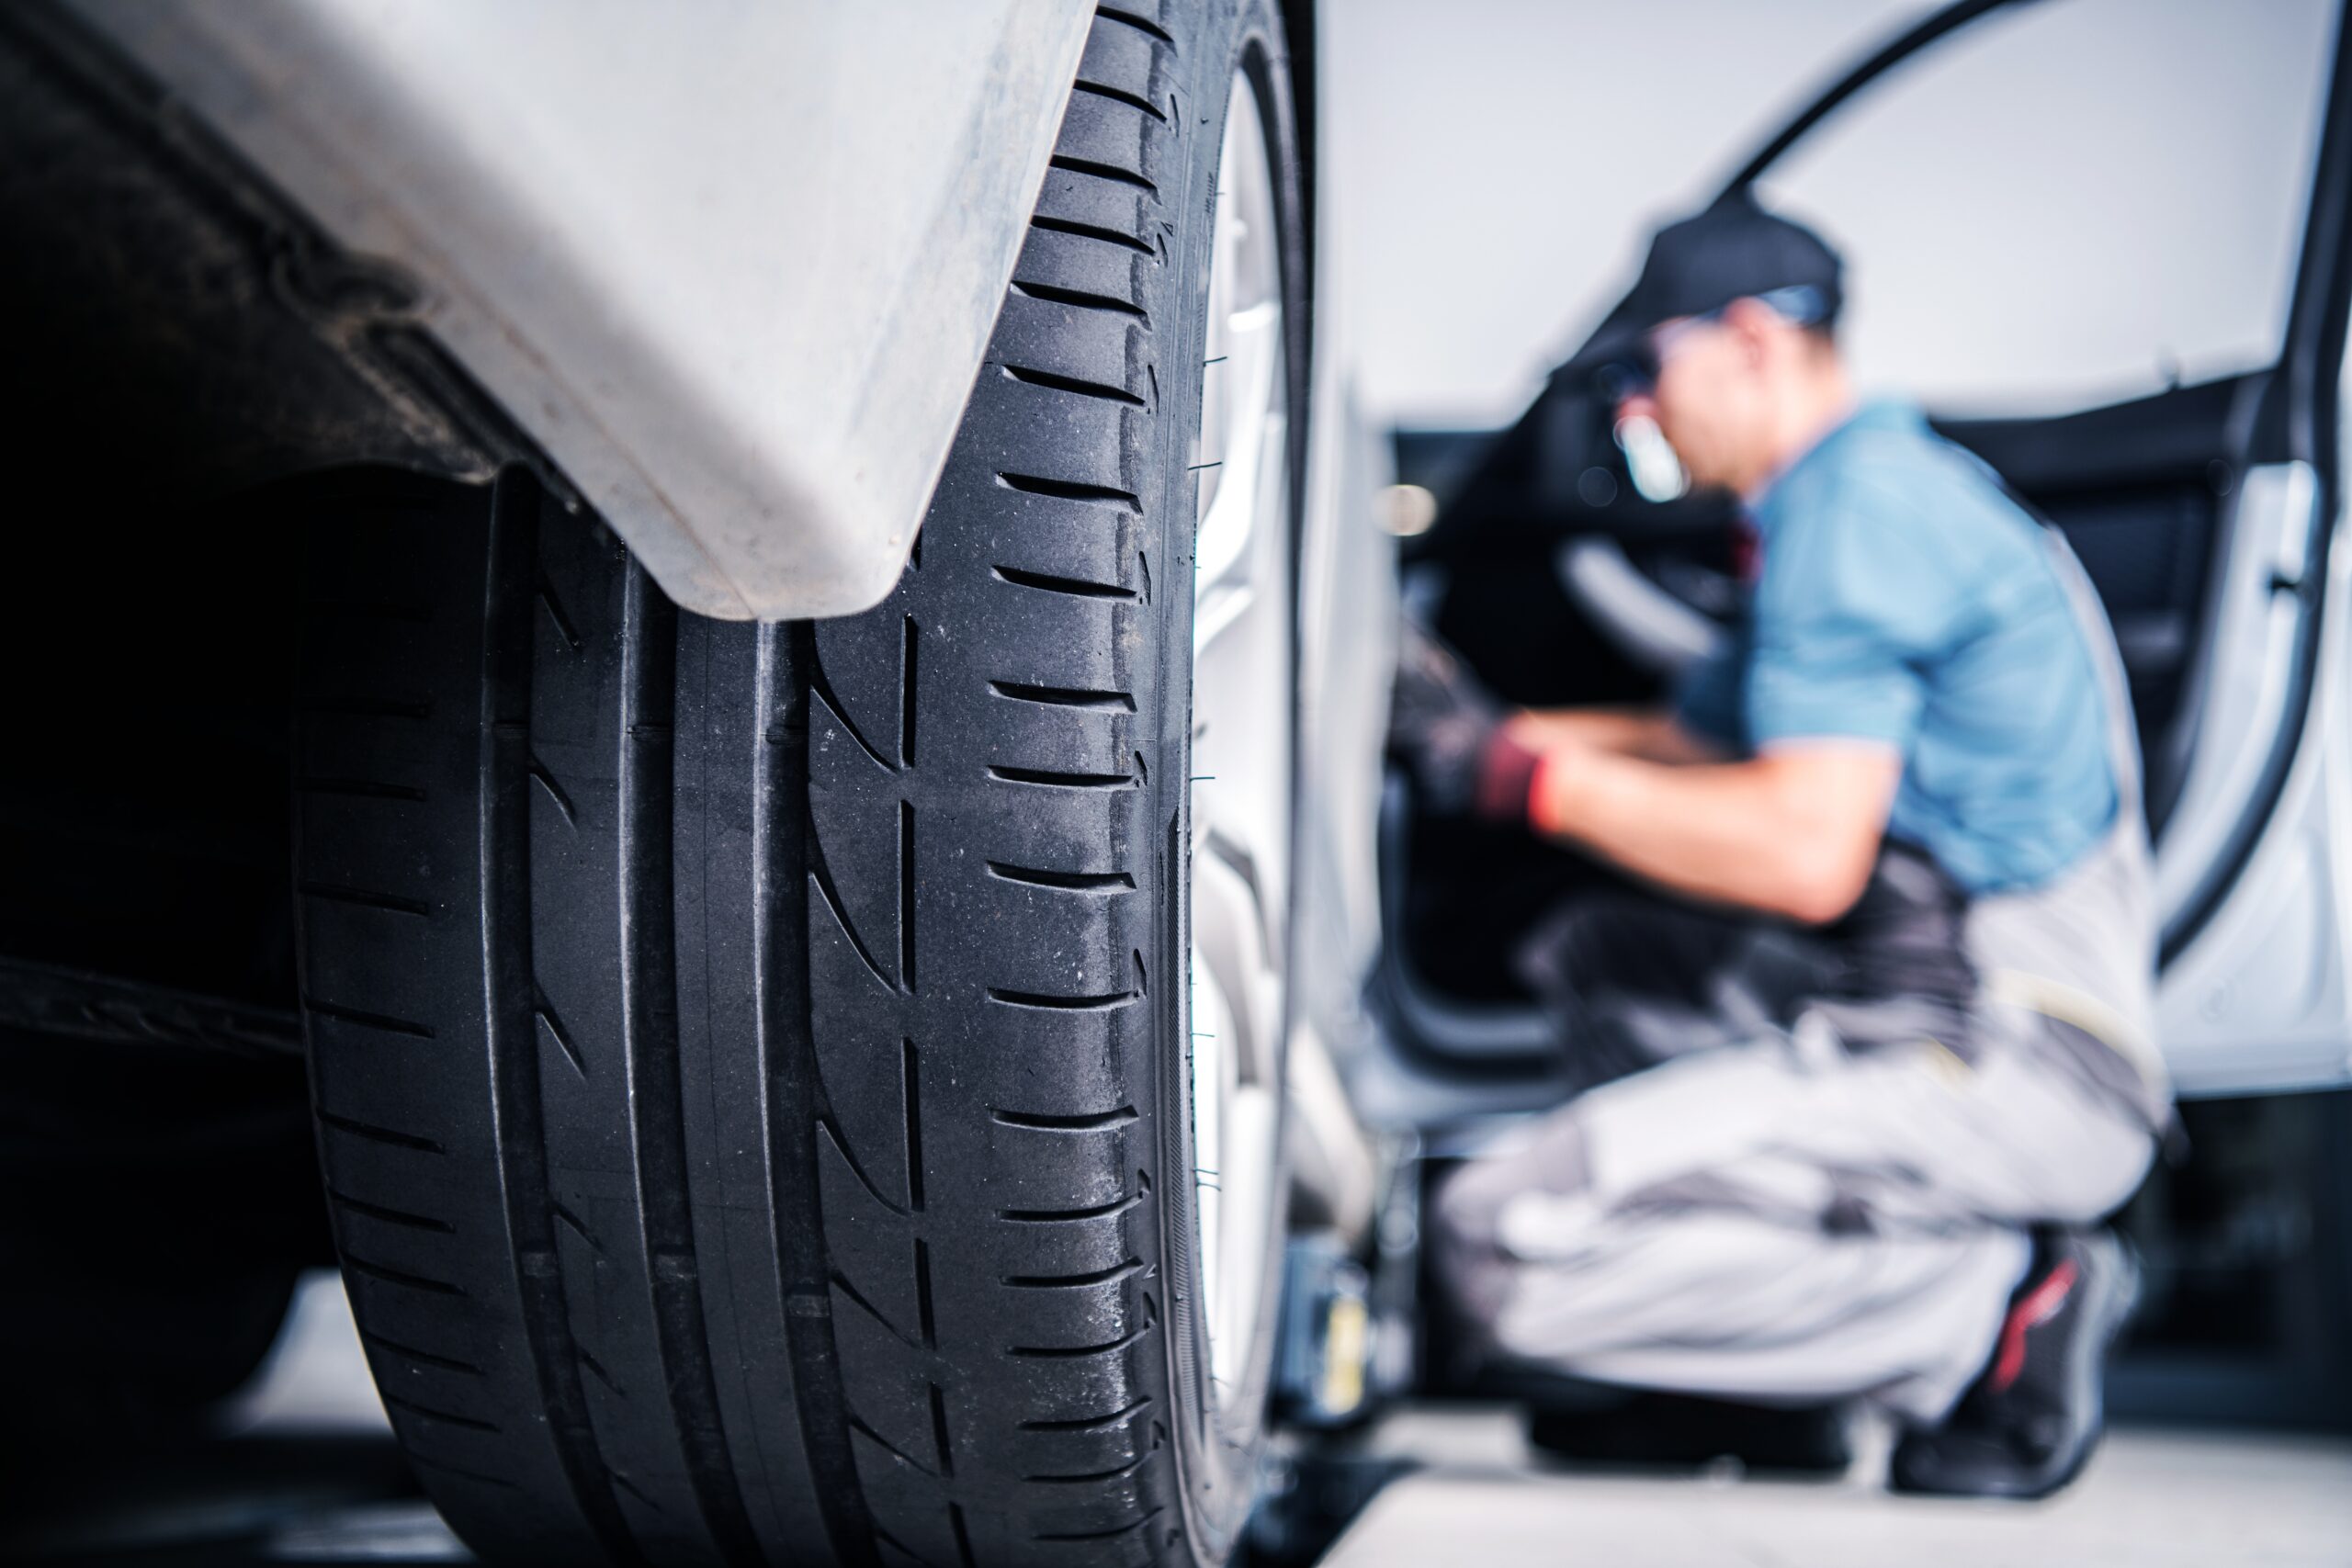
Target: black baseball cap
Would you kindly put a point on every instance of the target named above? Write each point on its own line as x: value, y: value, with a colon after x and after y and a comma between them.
x: 1733, y: 250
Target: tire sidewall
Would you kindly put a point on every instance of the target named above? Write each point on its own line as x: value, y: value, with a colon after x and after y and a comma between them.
x: 1218, y: 1448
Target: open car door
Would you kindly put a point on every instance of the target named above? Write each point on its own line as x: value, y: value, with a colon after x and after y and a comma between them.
x: 2067, y: 308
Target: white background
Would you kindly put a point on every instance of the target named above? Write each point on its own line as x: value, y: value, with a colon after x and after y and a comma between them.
x: 2043, y: 211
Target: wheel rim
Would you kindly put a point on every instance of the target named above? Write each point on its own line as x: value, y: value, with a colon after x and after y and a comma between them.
x: 1241, y: 740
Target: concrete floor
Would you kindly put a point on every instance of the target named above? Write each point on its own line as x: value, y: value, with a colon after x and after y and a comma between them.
x: 1475, y: 1495
x: 2150, y: 1499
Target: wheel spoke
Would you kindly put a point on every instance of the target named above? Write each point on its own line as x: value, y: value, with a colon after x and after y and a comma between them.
x: 1235, y: 949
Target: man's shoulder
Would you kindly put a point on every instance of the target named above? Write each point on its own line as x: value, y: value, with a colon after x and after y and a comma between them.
x: 1895, y: 489
x: 1862, y: 508
x: 1901, y: 529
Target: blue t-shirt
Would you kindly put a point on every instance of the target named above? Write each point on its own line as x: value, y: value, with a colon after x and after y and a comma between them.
x: 1905, y: 598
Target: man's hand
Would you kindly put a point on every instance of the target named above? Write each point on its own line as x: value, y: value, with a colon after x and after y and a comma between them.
x: 1455, y: 735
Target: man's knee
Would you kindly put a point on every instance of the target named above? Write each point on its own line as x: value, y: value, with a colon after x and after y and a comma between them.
x: 1470, y: 1208
x: 1462, y: 1235
x: 1463, y: 1206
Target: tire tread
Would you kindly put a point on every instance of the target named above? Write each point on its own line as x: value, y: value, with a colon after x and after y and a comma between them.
x: 741, y: 1102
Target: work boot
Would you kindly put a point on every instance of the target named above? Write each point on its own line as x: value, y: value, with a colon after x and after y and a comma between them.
x: 2027, y: 1424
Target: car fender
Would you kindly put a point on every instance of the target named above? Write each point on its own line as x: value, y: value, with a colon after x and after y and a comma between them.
x: 732, y: 267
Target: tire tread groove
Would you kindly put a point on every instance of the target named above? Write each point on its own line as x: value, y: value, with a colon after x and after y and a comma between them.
x: 511, y: 1013
x: 657, y: 1067
x: 784, y: 846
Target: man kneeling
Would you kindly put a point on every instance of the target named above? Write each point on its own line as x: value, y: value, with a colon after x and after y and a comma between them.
x: 1857, y: 1078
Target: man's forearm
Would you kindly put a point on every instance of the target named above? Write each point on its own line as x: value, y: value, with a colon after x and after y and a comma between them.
x: 1760, y: 834
x: 1650, y: 734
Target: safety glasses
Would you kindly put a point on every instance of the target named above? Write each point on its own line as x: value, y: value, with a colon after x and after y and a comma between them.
x: 1635, y: 373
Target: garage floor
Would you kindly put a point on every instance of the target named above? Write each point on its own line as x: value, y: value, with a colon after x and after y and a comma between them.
x: 2150, y: 1499
x: 313, y: 1479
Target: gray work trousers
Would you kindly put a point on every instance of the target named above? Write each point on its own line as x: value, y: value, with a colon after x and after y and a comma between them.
x: 1781, y: 1221
x: 1820, y: 1188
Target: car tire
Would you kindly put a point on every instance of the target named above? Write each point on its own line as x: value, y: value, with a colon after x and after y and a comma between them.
x: 751, y: 1062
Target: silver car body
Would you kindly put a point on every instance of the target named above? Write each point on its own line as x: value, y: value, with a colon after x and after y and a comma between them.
x: 732, y: 266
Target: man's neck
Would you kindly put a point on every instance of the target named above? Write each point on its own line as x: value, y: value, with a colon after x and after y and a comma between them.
x: 1813, y: 407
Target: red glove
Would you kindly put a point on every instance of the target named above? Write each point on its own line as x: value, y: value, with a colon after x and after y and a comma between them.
x: 1506, y: 771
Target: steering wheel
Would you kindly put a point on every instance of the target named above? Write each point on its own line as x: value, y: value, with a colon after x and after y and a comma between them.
x: 1661, y: 621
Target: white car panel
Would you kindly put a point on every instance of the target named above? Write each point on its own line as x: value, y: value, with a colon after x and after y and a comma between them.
x: 2261, y: 1000
x: 733, y: 266
x: 2247, y: 676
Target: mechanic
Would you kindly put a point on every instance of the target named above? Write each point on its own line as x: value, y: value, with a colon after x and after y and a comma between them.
x: 1863, y: 1046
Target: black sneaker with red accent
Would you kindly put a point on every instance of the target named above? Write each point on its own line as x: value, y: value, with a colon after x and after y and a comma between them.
x: 2027, y: 1425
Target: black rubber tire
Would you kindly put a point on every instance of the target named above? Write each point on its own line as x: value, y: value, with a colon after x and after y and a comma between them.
x: 749, y: 1060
